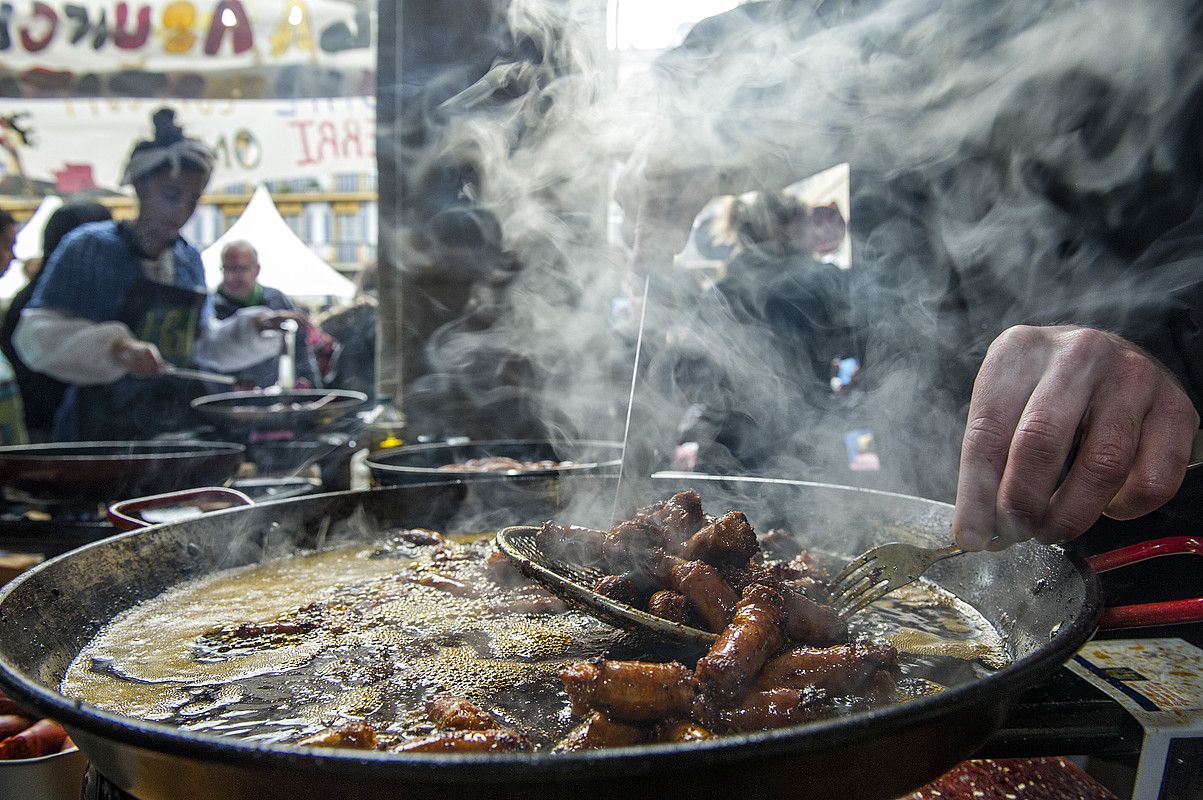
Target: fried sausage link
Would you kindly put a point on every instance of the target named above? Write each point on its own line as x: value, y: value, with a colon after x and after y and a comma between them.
x: 357, y: 736
x: 672, y: 606
x: 730, y: 539
x: 838, y: 670
x: 597, y: 730
x: 634, y: 691
x: 811, y: 623
x: 457, y: 714
x: 708, y: 594
x: 743, y: 646
x: 776, y: 708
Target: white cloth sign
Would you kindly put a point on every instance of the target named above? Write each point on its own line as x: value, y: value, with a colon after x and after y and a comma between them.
x: 80, y: 144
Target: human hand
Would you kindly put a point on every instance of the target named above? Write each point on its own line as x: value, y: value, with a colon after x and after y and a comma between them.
x: 138, y: 357
x: 275, y: 320
x: 1040, y: 392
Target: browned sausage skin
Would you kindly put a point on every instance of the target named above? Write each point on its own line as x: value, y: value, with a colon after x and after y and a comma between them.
x: 597, y: 730
x: 458, y: 714
x: 808, y: 622
x: 730, y: 539
x: 742, y: 648
x: 669, y: 605
x: 710, y: 596
x: 776, y: 708
x: 357, y: 736
x: 634, y: 691
x: 842, y: 669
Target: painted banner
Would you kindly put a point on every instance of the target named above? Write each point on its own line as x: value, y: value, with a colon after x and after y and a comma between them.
x: 81, y: 145
x: 100, y: 36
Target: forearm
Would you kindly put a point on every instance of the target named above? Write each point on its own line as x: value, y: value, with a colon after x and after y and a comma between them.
x: 71, y: 349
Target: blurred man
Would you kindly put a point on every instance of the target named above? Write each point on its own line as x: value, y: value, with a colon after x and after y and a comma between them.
x: 240, y: 288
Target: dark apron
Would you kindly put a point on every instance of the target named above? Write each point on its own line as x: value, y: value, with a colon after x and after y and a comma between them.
x: 142, y: 408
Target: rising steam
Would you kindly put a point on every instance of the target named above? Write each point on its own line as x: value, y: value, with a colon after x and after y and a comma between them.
x: 994, y: 137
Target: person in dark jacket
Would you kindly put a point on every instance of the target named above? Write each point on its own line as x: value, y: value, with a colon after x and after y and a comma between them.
x: 1027, y: 233
x: 40, y: 393
x: 240, y: 288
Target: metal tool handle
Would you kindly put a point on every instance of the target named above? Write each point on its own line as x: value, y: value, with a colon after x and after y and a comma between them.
x: 199, y: 375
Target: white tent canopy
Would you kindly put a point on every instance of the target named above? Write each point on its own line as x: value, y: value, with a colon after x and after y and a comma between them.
x: 286, y: 263
x: 27, y: 246
x: 29, y: 238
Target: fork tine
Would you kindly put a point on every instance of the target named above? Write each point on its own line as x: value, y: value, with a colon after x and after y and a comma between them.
x: 871, y: 596
x: 849, y: 592
x: 871, y: 568
x: 852, y: 566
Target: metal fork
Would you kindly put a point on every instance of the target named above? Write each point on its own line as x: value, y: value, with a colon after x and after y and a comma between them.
x: 880, y: 571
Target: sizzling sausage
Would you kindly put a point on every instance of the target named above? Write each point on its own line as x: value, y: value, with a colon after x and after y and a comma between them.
x: 633, y: 691
x: 621, y: 588
x: 680, y: 516
x: 811, y: 623
x: 838, y: 670
x: 672, y: 606
x: 730, y: 539
x: 743, y: 646
x: 776, y: 708
x: 597, y: 730
x: 357, y: 736
x: 709, y: 595
x: 458, y: 714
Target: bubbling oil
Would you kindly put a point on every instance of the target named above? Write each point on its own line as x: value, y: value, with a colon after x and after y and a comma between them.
x: 278, y: 651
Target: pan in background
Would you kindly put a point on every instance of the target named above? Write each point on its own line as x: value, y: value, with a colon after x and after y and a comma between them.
x: 299, y: 410
x: 420, y: 463
x: 106, y: 471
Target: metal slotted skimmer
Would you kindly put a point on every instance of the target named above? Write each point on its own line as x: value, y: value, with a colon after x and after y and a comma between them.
x: 574, y: 584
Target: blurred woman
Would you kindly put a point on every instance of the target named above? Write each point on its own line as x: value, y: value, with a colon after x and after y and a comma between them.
x: 121, y: 303
x: 40, y: 393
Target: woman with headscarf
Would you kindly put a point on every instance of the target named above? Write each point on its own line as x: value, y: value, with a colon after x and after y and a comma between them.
x: 40, y: 393
x: 122, y: 302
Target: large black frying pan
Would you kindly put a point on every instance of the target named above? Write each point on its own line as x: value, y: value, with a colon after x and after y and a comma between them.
x: 107, y: 471
x: 299, y: 410
x: 1041, y: 599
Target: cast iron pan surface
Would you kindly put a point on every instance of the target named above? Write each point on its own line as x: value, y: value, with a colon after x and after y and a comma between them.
x: 108, y: 471
x: 1042, y: 600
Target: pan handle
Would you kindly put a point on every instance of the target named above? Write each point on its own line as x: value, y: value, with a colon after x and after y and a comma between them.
x: 123, y: 514
x: 1170, y: 612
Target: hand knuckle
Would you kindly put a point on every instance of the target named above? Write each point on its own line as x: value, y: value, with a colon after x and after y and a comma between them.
x: 1039, y: 438
x: 1020, y: 503
x: 1146, y: 492
x: 988, y: 438
x: 1105, y: 465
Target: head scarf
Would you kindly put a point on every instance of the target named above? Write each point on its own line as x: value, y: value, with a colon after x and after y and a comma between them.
x: 169, y: 147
